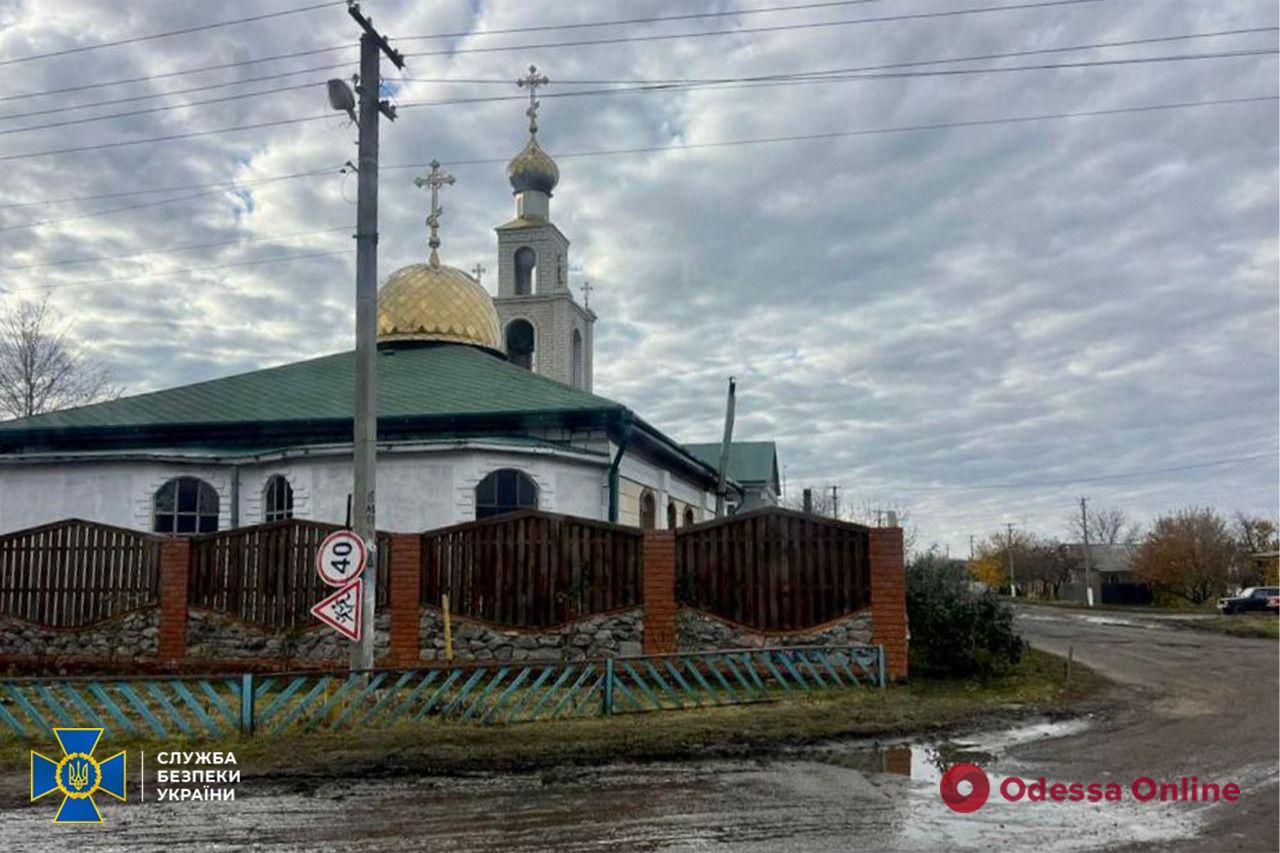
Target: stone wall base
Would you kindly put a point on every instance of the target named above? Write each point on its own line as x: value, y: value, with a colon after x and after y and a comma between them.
x: 620, y: 632
x: 697, y: 630
x: 129, y: 636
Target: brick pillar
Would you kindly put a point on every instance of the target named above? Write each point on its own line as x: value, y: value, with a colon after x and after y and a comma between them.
x: 658, y: 568
x: 889, y: 598
x: 406, y: 580
x: 175, y: 564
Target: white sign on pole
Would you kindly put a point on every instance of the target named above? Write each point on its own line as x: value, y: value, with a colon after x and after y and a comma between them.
x: 342, y: 610
x: 341, y: 558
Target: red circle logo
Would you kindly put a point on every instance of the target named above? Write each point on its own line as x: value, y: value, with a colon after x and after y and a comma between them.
x: 970, y: 801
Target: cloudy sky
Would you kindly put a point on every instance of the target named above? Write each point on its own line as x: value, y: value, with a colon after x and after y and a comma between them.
x: 978, y: 323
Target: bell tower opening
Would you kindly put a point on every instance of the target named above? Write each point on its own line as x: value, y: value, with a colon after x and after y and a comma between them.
x: 526, y: 265
x: 520, y: 343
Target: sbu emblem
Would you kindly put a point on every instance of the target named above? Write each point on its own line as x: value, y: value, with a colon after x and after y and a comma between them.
x: 78, y: 776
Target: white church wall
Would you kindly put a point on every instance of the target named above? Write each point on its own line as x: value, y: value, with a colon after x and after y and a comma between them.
x: 119, y: 493
x: 638, y: 473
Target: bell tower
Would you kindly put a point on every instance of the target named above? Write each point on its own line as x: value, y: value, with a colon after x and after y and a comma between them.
x: 543, y: 328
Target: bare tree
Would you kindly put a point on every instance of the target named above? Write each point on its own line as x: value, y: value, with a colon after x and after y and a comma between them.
x: 1107, y: 526
x: 42, y: 368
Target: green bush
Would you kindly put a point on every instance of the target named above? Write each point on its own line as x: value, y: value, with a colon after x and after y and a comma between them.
x: 956, y: 631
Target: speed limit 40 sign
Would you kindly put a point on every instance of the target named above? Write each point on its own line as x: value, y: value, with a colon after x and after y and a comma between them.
x: 341, y: 558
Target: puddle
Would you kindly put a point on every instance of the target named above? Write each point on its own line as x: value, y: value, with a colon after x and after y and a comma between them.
x: 927, y: 761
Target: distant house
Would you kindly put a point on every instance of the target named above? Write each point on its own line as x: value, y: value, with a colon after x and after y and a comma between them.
x: 1112, y: 573
x: 752, y: 464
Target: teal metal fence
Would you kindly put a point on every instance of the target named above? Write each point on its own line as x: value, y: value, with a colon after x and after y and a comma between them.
x: 488, y: 693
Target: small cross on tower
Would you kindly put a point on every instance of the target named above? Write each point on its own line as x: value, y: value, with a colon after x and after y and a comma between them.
x: 532, y: 82
x: 478, y: 271
x: 435, y: 179
x: 587, y: 287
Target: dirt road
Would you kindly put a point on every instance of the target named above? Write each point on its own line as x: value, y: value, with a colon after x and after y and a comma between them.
x: 1199, y: 704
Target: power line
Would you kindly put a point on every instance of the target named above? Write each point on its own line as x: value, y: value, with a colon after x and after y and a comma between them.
x: 1102, y: 477
x: 618, y: 40
x: 709, y: 145
x: 752, y: 30
x: 504, y: 81
x: 240, y: 242
x: 507, y: 31
x: 182, y: 32
x: 507, y: 82
x: 8, y: 291
x: 796, y: 78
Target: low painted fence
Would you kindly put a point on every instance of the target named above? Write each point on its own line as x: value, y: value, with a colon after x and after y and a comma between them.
x: 280, y: 703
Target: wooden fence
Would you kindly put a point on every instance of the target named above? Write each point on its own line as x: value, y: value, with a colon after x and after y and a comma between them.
x: 266, y: 573
x: 774, y: 569
x: 73, y: 573
x: 532, y: 569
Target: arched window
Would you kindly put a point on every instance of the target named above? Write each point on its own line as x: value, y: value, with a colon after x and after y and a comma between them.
x: 520, y: 343
x: 648, y: 510
x: 577, y: 377
x: 526, y: 263
x: 672, y: 515
x: 688, y: 516
x: 185, y: 505
x: 277, y: 499
x: 505, y: 490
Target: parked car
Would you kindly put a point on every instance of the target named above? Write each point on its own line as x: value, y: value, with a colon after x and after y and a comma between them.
x: 1253, y: 598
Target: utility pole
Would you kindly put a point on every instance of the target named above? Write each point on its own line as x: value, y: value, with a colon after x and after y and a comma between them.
x: 971, y: 547
x: 1008, y: 549
x: 372, y: 45
x: 1084, y: 525
x: 808, y: 501
x: 723, y: 473
x: 835, y: 502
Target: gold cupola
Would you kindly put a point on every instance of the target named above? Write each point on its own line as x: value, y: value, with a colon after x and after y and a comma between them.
x: 434, y: 302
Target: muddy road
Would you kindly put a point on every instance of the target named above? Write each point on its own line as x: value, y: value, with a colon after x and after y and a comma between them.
x: 1195, y: 704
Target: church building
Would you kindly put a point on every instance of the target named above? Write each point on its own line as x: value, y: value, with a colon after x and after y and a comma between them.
x: 485, y: 406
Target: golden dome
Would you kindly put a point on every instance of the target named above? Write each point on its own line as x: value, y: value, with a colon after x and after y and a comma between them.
x: 533, y: 169
x: 432, y: 302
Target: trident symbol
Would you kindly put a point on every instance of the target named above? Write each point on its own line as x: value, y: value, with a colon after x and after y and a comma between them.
x: 78, y: 775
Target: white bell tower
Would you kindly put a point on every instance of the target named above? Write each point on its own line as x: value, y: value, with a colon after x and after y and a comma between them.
x: 543, y: 328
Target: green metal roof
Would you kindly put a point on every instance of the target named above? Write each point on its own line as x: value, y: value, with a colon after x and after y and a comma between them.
x: 413, y: 381
x: 749, y: 461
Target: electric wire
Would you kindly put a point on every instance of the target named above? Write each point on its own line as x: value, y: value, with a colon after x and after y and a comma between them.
x: 181, y: 32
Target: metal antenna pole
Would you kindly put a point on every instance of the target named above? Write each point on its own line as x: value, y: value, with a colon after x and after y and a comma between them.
x: 722, y: 473
x: 1084, y: 525
x: 364, y: 449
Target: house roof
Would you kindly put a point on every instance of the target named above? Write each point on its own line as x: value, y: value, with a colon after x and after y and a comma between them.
x: 412, y: 381
x: 749, y: 461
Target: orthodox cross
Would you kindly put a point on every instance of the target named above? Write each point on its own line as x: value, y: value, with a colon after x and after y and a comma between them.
x: 435, y: 179
x: 478, y: 270
x: 532, y: 82
x: 587, y: 287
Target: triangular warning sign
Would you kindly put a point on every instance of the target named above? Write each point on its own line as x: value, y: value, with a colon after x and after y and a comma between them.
x: 342, y: 610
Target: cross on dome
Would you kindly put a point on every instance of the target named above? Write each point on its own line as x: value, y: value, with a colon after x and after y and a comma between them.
x: 435, y: 179
x: 532, y: 81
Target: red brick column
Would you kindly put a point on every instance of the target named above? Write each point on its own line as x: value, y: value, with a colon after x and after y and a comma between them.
x: 658, y: 568
x: 889, y: 598
x: 175, y: 564
x: 402, y: 598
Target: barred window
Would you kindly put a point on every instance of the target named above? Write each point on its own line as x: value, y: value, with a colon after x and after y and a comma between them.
x: 277, y: 499
x: 505, y: 490
x: 185, y: 505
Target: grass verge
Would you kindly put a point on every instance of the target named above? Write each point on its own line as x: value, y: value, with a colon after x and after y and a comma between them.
x: 1241, y: 625
x: 1038, y: 685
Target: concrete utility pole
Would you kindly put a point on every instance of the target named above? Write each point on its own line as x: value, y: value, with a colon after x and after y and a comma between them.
x: 372, y: 45
x: 808, y: 501
x: 724, y: 448
x: 1084, y: 525
x: 835, y: 502
x: 1008, y: 549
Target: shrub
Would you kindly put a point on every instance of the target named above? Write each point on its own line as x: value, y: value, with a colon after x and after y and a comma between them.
x: 956, y: 631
